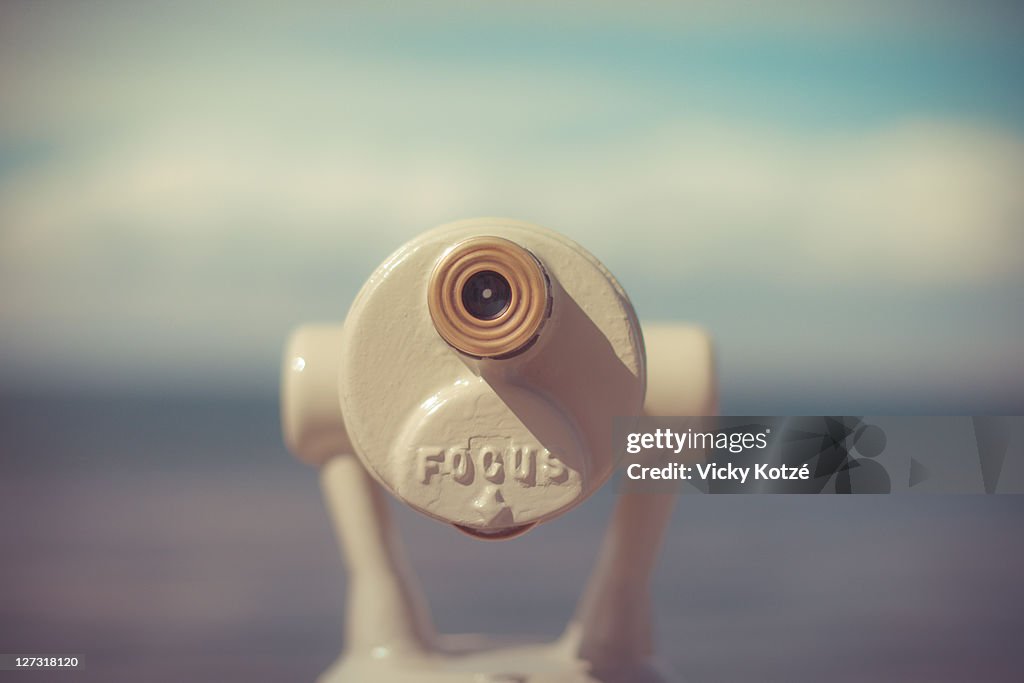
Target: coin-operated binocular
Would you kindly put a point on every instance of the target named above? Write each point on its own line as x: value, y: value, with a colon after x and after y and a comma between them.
x: 476, y: 378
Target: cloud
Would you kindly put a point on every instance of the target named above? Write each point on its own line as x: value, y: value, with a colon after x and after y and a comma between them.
x: 915, y: 204
x: 197, y: 241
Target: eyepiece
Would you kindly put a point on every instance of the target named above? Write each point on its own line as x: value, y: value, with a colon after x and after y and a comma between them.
x: 488, y: 297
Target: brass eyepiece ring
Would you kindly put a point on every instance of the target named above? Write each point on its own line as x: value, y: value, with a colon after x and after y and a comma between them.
x: 488, y: 297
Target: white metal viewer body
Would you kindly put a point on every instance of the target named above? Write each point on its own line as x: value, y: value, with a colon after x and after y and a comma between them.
x: 475, y: 378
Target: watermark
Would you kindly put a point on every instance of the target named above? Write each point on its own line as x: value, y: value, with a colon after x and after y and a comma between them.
x: 26, y: 662
x: 826, y: 454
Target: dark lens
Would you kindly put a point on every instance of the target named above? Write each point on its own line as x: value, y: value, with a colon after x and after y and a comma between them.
x: 486, y: 295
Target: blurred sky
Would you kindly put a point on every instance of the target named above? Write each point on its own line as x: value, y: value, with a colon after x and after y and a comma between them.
x: 835, y: 190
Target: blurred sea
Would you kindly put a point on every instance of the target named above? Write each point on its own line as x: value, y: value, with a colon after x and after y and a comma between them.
x: 170, y: 540
x: 174, y: 539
